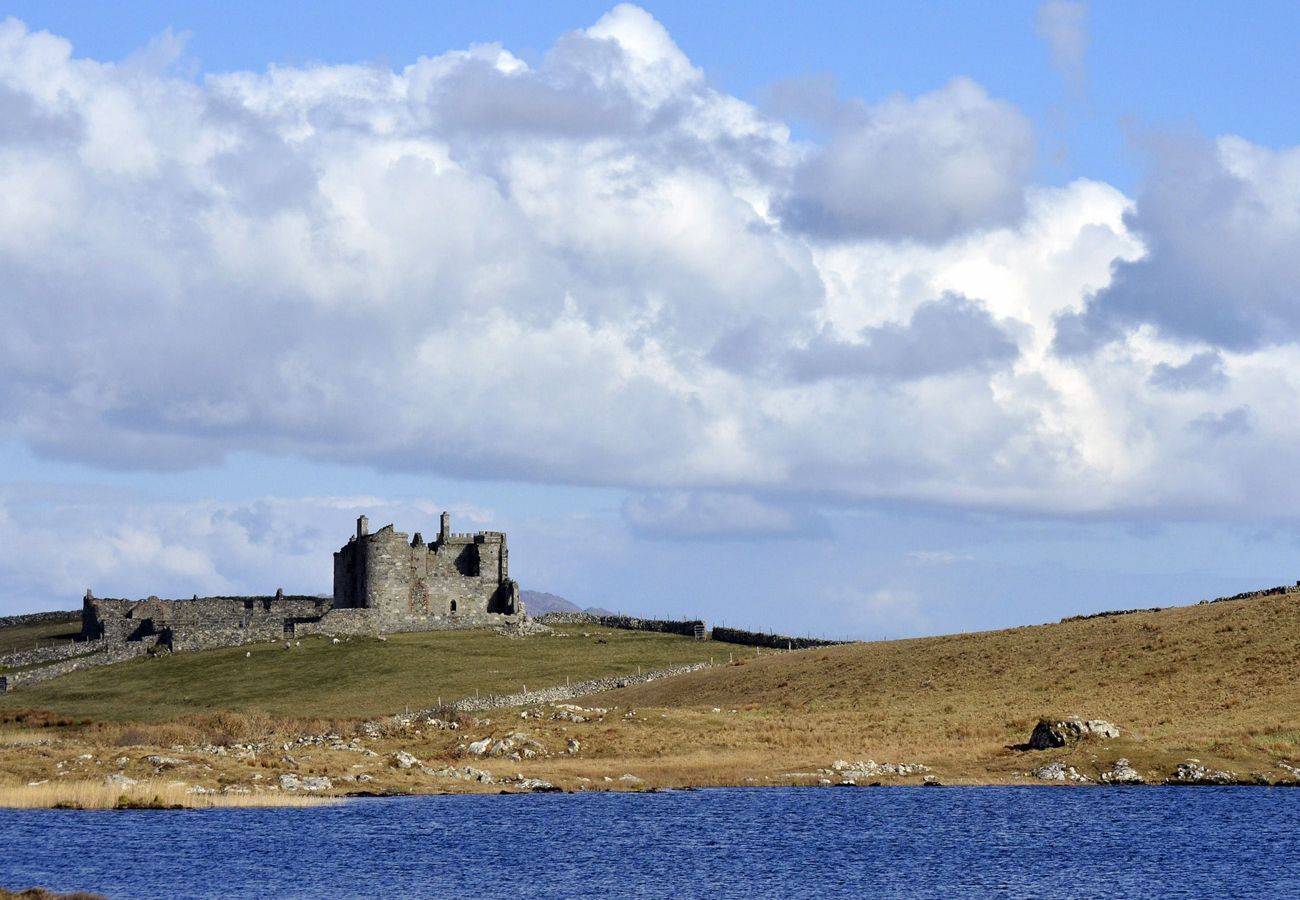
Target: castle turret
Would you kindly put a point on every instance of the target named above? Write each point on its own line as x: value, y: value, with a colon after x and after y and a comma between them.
x: 444, y: 528
x: 363, y: 526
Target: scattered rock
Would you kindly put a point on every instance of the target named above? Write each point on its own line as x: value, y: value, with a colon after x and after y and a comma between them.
x: 573, y: 746
x: 1049, y: 734
x: 119, y: 779
x: 291, y: 782
x: 537, y: 785
x: 931, y: 781
x: 1059, y: 771
x: 464, y: 773
x: 1192, y: 772
x: 631, y: 779
x: 165, y: 762
x: 872, y: 769
x: 516, y: 745
x: 1122, y: 773
x: 404, y: 760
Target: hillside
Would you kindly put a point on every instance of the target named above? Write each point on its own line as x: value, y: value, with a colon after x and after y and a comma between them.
x: 540, y: 602
x: 1213, y: 682
x: 355, y: 678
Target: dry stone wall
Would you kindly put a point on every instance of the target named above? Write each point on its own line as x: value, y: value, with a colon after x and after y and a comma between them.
x: 39, y: 618
x: 689, y: 628
x: 37, y: 655
x: 563, y: 692
x: 1280, y: 590
x: 95, y: 653
x: 686, y: 627
x: 763, y: 639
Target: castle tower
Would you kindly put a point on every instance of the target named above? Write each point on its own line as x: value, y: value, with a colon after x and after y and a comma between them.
x: 444, y: 528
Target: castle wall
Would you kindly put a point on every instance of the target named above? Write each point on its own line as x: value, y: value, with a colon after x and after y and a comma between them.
x: 383, y: 582
x: 201, y: 623
x: 460, y: 580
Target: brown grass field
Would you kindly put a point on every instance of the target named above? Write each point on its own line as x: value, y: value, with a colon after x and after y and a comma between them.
x: 1215, y: 682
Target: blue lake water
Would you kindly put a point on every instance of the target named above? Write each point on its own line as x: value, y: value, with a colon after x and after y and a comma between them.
x: 797, y: 842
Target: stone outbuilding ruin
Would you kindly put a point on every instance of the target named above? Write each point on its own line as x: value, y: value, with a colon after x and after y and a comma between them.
x: 383, y: 582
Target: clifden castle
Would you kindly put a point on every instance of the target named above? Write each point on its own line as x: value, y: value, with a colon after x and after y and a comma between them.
x: 383, y: 582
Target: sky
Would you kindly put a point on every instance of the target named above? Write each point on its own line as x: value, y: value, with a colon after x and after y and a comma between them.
x: 829, y: 319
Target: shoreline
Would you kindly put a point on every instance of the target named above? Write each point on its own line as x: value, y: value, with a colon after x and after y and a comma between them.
x: 205, y: 802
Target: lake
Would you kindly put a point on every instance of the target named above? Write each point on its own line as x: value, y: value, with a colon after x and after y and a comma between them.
x: 785, y: 842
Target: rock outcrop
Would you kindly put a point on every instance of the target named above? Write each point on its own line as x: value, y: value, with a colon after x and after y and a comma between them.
x: 1122, y: 773
x: 1193, y: 773
x: 291, y: 782
x: 1059, y: 771
x: 1051, y: 733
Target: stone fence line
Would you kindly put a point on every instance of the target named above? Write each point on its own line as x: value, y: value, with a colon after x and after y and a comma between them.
x: 53, y: 653
x: 94, y: 653
x: 64, y: 615
x: 563, y: 692
x: 688, y: 628
x: 1280, y: 590
x: 775, y: 641
x: 685, y: 627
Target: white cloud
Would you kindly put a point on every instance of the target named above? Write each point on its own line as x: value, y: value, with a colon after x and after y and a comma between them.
x: 1221, y: 220
x: 56, y: 542
x: 931, y: 168
x: 1063, y: 24
x: 588, y: 271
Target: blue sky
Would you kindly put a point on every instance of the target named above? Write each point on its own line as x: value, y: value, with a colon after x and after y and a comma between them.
x: 832, y: 319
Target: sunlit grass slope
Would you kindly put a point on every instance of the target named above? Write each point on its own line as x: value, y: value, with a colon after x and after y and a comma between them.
x: 1221, y: 680
x: 354, y: 678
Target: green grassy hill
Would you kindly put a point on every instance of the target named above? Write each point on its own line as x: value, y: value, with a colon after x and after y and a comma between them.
x: 358, y: 677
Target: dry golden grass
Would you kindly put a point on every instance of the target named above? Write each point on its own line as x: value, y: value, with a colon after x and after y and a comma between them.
x: 1217, y: 682
x: 145, y: 795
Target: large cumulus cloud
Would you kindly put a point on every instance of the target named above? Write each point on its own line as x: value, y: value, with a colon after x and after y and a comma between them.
x: 600, y: 269
x: 1221, y: 221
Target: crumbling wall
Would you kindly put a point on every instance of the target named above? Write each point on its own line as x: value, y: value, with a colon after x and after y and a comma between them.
x: 200, y: 623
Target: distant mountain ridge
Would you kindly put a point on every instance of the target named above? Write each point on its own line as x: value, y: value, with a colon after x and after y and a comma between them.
x: 540, y: 602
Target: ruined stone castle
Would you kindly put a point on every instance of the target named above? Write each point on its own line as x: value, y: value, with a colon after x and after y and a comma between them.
x: 383, y: 582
